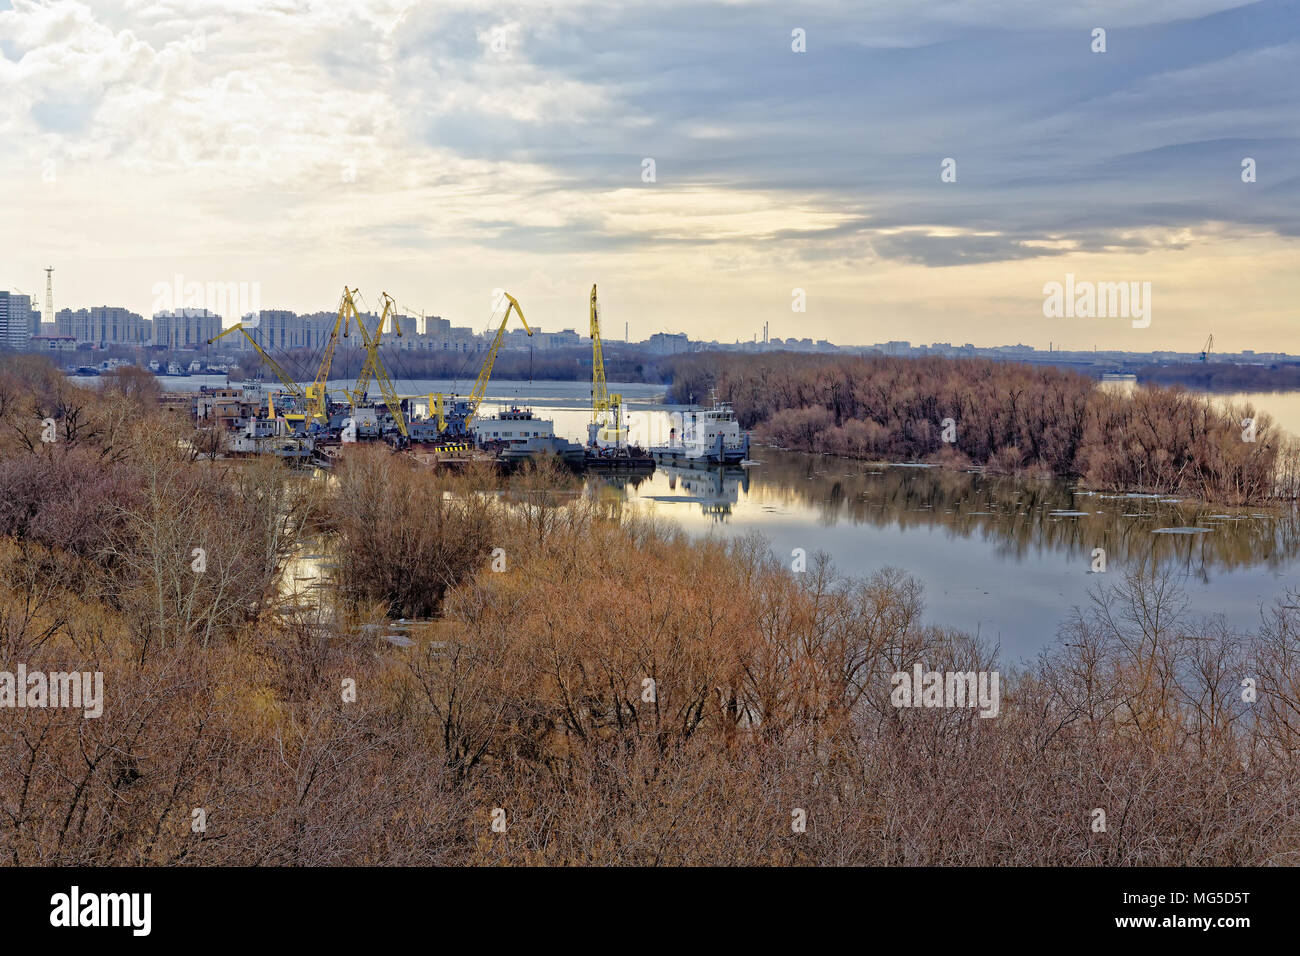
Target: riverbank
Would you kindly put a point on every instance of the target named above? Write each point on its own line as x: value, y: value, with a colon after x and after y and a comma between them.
x: 596, y: 685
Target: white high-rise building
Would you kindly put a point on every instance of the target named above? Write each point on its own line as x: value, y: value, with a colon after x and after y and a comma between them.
x: 103, y: 325
x: 185, y: 328
x: 16, y: 318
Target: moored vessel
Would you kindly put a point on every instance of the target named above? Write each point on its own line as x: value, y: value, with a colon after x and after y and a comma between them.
x: 517, y: 434
x: 709, y: 435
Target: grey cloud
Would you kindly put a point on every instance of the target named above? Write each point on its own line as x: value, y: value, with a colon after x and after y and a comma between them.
x: 955, y: 250
x: 1049, y: 137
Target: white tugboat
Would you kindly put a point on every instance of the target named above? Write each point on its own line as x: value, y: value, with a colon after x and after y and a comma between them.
x: 516, y: 434
x: 711, y: 435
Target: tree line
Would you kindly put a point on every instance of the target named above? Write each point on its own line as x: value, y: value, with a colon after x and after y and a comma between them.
x: 1009, y: 418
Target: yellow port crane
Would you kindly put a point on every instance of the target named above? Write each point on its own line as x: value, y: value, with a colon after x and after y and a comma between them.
x: 294, y: 388
x: 368, y: 369
x: 602, y: 401
x: 485, y: 373
x: 316, y: 400
x: 374, y: 367
x: 436, y: 411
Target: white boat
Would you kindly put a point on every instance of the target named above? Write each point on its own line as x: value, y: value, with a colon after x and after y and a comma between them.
x: 517, y: 434
x: 710, y: 435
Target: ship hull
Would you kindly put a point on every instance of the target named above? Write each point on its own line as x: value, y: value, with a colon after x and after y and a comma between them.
x: 719, y: 453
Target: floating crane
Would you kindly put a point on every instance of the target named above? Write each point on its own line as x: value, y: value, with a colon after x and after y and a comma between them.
x: 368, y: 369
x: 317, y: 405
x: 453, y: 414
x: 485, y: 373
x: 602, y: 402
x: 1205, y: 352
x: 436, y: 411
x: 293, y: 387
x: 374, y: 367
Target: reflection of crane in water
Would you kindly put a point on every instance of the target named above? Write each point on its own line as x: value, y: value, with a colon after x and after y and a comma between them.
x: 621, y: 483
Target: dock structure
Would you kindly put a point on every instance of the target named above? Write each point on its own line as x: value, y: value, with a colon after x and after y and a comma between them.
x: 311, y: 424
x: 631, y: 462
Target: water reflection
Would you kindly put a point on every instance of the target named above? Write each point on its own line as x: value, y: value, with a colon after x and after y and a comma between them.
x: 1021, y: 518
x: 716, y: 489
x: 1015, y: 518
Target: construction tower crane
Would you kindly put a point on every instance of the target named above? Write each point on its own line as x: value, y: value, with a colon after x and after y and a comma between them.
x: 485, y: 373
x: 1205, y: 352
x: 293, y: 387
x: 602, y: 401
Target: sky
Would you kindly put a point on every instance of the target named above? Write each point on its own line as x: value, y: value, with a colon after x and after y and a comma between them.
x: 442, y: 151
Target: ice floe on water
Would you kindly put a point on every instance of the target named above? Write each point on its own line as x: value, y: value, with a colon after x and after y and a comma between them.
x: 1069, y: 514
x: 1182, y: 530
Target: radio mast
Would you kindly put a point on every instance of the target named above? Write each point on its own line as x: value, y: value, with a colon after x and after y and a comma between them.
x: 49, y: 294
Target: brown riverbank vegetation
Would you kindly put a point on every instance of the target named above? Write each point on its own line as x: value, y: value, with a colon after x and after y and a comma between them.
x: 621, y: 693
x: 1008, y: 417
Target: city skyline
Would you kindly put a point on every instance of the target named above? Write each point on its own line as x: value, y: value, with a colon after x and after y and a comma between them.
x: 282, y: 330
x: 442, y: 153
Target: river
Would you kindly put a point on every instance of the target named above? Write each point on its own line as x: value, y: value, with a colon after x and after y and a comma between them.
x: 1007, y: 558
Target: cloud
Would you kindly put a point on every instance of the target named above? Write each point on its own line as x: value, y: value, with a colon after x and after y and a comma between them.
x: 510, y: 132
x: 957, y: 250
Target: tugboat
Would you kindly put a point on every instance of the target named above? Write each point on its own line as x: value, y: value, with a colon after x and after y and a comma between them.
x: 517, y: 435
x: 712, y: 436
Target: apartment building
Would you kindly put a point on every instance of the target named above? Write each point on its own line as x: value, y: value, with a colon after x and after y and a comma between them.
x: 16, y: 319
x: 103, y: 325
x: 185, y: 328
